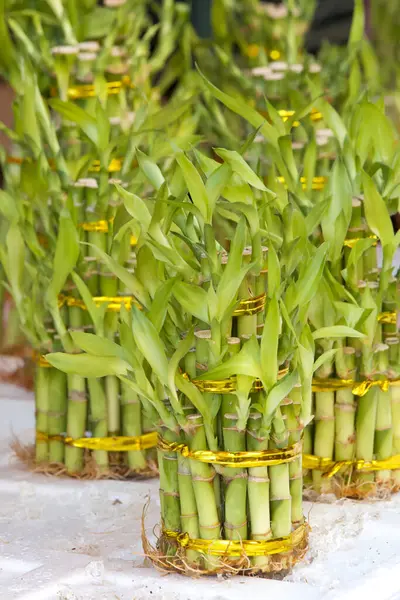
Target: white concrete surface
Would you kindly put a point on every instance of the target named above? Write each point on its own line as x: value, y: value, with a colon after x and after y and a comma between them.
x: 62, y: 539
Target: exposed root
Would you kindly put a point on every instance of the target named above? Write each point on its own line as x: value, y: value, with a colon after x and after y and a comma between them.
x: 117, y: 469
x: 357, y: 491
x: 169, y: 557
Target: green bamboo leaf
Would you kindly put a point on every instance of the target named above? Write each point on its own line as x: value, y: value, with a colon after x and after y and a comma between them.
x: 71, y: 112
x: 193, y: 300
x: 324, y: 358
x: 377, y: 215
x: 307, y: 285
x: 14, y: 262
x: 195, y: 396
x: 149, y: 344
x: 7, y: 49
x: 358, y: 24
x: 336, y: 331
x: 274, y: 272
x: 103, y: 128
x: 246, y: 362
x: 150, y: 169
x: 173, y: 368
x: 65, y: 257
x: 160, y: 304
x: 8, y: 206
x: 135, y: 206
x: 240, y: 167
x: 96, y: 345
x: 241, y: 108
x: 167, y: 115
x: 88, y: 366
x: 217, y: 182
x: 195, y: 186
x: 96, y: 313
x: 278, y: 393
x: 269, y: 344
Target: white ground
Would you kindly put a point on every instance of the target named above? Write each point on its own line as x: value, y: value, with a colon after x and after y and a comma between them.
x: 66, y: 540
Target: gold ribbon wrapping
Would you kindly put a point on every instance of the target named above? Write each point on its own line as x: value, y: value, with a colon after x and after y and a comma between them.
x: 114, y: 166
x: 317, y: 183
x: 41, y: 360
x: 331, y: 467
x: 253, y: 50
x: 351, y: 242
x: 228, y: 386
x: 114, y: 302
x: 235, y: 460
x: 389, y: 318
x: 358, y: 388
x: 241, y: 547
x: 109, y: 444
x: 77, y: 92
x: 252, y: 306
x: 99, y: 226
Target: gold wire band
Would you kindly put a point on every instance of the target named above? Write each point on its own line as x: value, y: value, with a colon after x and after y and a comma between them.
x: 389, y: 318
x: 235, y: 460
x: 99, y: 226
x: 227, y: 386
x: 41, y: 360
x: 315, y: 115
x: 331, y: 467
x: 114, y: 302
x: 317, y: 183
x: 109, y: 444
x: 253, y: 50
x: 89, y: 91
x: 351, y: 242
x: 358, y: 388
x: 240, y: 547
x: 252, y: 306
x: 114, y: 166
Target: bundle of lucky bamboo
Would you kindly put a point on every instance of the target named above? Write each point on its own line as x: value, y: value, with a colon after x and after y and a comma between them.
x: 354, y: 441
x: 62, y: 195
x: 222, y: 353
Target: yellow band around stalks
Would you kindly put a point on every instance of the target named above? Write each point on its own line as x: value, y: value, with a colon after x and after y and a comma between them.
x: 240, y: 547
x: 389, y: 318
x: 331, y: 467
x: 77, y: 92
x: 350, y: 243
x: 227, y: 386
x: 114, y: 166
x: 99, y: 226
x: 41, y: 360
x: 358, y: 388
x: 317, y: 183
x: 114, y: 302
x: 235, y: 460
x: 253, y: 50
x: 109, y: 444
x: 252, y: 306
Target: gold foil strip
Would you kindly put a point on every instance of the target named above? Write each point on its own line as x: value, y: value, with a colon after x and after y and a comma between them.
x: 351, y: 242
x: 241, y: 547
x: 358, y: 388
x: 331, y: 467
x: 109, y: 444
x: 235, y: 460
x: 389, y: 318
x: 251, y: 306
x: 77, y: 92
x: 114, y: 302
x: 228, y: 386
